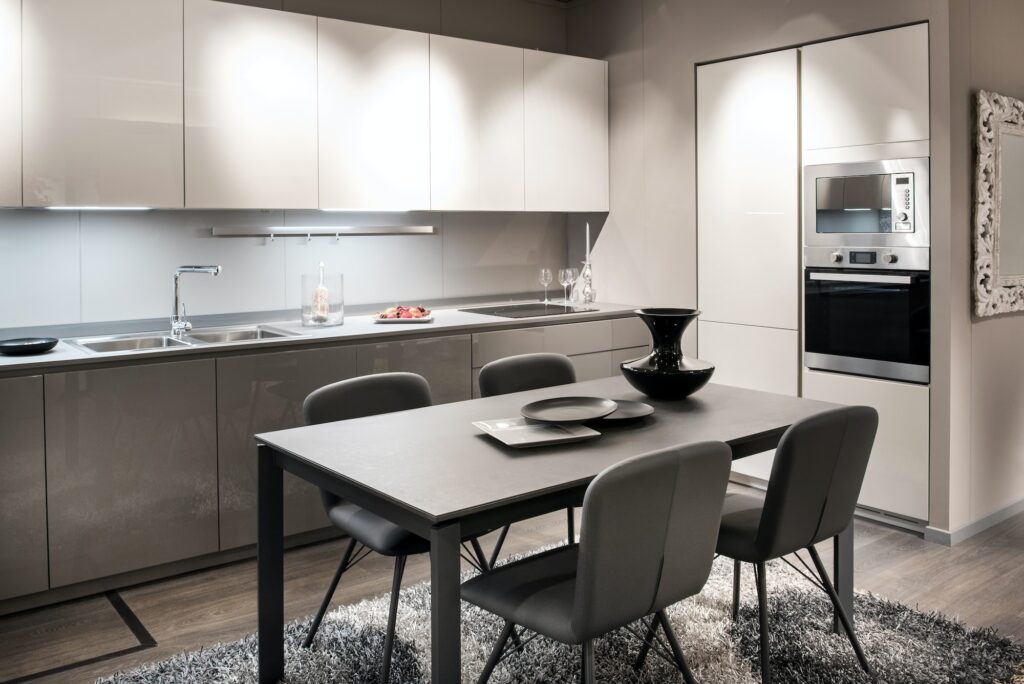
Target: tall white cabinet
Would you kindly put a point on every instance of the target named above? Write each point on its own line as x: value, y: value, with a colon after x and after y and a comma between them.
x: 102, y: 88
x: 870, y: 89
x: 566, y: 132
x: 374, y: 112
x: 477, y: 135
x: 748, y: 243
x: 10, y: 103
x: 250, y: 107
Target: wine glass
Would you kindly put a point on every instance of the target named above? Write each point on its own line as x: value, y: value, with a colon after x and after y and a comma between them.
x: 546, y: 278
x: 566, y: 277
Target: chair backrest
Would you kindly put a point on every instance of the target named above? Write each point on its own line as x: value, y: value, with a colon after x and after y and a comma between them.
x: 368, y: 395
x: 816, y: 479
x: 650, y: 526
x: 525, y: 372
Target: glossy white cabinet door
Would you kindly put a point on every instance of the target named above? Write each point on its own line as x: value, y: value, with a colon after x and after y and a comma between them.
x: 765, y: 359
x: 866, y: 90
x: 476, y: 126
x: 374, y: 113
x: 102, y: 88
x: 250, y: 107
x: 748, y: 229
x: 10, y: 103
x: 566, y: 133
x: 897, y: 475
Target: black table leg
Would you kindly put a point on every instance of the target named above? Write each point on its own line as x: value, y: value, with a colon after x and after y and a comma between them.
x: 445, y: 605
x: 270, y: 568
x: 842, y: 574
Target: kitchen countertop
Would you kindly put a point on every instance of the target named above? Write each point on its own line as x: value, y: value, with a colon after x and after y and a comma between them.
x: 355, y: 329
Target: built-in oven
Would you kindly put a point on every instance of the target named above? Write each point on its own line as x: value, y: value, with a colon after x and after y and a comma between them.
x: 868, y: 322
x: 867, y: 284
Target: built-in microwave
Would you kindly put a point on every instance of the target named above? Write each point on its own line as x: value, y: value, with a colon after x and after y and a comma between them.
x: 867, y: 204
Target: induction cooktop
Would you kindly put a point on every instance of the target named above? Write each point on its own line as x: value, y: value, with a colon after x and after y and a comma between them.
x: 528, y: 310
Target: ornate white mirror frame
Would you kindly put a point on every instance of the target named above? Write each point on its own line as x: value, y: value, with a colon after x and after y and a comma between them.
x: 995, y: 292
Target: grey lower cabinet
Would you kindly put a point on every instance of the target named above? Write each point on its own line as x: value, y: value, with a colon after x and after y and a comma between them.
x: 444, y: 361
x: 131, y: 468
x: 23, y: 557
x: 261, y: 393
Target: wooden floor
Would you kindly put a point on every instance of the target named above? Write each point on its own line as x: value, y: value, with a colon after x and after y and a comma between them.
x: 979, y: 581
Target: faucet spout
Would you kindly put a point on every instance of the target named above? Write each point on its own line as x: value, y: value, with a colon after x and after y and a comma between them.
x: 179, y: 320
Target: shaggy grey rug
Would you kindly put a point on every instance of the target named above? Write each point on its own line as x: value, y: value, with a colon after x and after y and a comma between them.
x: 902, y: 644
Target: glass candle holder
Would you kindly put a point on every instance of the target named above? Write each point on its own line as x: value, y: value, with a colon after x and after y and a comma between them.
x: 323, y: 299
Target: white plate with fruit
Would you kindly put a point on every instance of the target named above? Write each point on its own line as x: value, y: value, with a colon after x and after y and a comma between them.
x: 404, y: 314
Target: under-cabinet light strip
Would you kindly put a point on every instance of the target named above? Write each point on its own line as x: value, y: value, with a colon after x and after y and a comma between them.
x: 310, y: 231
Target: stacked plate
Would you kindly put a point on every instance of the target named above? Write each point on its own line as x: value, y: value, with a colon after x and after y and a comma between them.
x: 561, y: 419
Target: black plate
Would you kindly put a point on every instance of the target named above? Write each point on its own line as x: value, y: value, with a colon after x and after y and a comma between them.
x: 568, y: 410
x: 23, y: 346
x: 628, y: 410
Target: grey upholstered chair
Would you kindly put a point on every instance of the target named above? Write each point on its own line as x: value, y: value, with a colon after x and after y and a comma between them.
x: 366, y: 396
x: 519, y: 374
x: 813, y: 489
x: 647, y: 541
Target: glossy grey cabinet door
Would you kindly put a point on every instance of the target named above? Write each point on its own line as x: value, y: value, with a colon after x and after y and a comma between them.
x: 131, y: 468
x: 260, y: 393
x: 444, y: 361
x: 22, y: 487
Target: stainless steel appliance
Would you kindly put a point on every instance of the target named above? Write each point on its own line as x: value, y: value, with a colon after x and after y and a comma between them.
x: 867, y: 285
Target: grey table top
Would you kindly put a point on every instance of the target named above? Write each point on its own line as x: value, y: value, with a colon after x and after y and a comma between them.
x: 435, y: 464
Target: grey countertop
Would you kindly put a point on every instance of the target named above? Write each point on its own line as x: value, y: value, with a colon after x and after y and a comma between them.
x: 360, y: 328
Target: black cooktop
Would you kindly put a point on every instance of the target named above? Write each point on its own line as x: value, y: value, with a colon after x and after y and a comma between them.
x: 527, y: 310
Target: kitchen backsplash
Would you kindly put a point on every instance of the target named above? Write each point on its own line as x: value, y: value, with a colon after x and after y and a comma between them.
x: 66, y: 267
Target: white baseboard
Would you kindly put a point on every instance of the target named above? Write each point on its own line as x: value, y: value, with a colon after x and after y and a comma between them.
x: 948, y: 538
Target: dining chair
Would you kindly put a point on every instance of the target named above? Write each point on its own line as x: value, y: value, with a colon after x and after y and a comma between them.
x: 812, y: 491
x: 519, y: 374
x: 647, y: 541
x: 367, y: 396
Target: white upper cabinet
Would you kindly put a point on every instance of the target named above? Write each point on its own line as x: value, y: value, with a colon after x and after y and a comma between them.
x: 374, y: 113
x: 10, y: 103
x: 250, y: 107
x: 476, y: 126
x: 866, y: 90
x: 102, y: 89
x: 566, y: 133
x: 748, y: 238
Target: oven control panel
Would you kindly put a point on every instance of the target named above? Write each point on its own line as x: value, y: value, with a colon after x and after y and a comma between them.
x: 882, y: 258
x: 902, y: 202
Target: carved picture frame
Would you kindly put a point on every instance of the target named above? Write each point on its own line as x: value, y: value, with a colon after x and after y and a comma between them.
x: 997, y: 115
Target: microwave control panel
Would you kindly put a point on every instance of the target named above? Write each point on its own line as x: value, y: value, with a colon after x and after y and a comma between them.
x: 902, y: 203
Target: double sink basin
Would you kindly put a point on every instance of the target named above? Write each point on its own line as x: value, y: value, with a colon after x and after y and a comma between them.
x: 110, y: 344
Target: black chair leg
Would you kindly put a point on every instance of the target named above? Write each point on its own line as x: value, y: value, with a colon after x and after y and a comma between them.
x: 389, y: 636
x: 762, y: 614
x: 499, y: 648
x: 645, y: 647
x: 570, y: 514
x: 497, y: 546
x: 479, y: 553
x: 737, y: 567
x: 843, y: 617
x: 587, y: 675
x: 326, y: 603
x: 677, y: 652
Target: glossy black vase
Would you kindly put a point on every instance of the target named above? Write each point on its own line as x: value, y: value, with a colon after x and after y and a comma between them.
x: 666, y: 373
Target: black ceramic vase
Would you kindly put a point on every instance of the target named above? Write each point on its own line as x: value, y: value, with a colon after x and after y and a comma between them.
x: 666, y: 373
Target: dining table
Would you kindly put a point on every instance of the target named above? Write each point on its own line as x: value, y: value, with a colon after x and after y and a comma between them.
x: 431, y: 471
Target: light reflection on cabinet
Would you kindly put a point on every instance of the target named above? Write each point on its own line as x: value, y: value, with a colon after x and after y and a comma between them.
x: 443, y: 361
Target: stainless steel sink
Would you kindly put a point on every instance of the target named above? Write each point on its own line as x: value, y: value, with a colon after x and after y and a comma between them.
x: 238, y: 333
x: 120, y: 343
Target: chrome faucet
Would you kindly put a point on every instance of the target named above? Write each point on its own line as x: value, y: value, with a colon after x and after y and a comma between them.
x: 179, y: 318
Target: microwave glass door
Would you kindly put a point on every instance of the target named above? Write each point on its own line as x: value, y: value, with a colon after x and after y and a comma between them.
x: 869, y: 315
x: 854, y: 204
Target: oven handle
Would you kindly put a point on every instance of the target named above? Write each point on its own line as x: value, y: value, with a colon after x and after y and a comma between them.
x: 862, y: 278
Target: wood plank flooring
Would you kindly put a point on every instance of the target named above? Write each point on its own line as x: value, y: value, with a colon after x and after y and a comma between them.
x: 978, y: 581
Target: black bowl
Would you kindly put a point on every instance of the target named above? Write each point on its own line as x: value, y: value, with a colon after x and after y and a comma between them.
x: 24, y: 346
x: 668, y: 385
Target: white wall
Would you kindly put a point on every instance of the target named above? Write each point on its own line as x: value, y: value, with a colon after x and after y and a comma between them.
x: 60, y: 267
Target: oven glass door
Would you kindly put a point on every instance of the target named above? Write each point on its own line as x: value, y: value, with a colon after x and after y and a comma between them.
x: 868, y: 322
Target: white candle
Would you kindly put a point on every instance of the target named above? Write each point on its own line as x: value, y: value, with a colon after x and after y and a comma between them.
x: 588, y: 242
